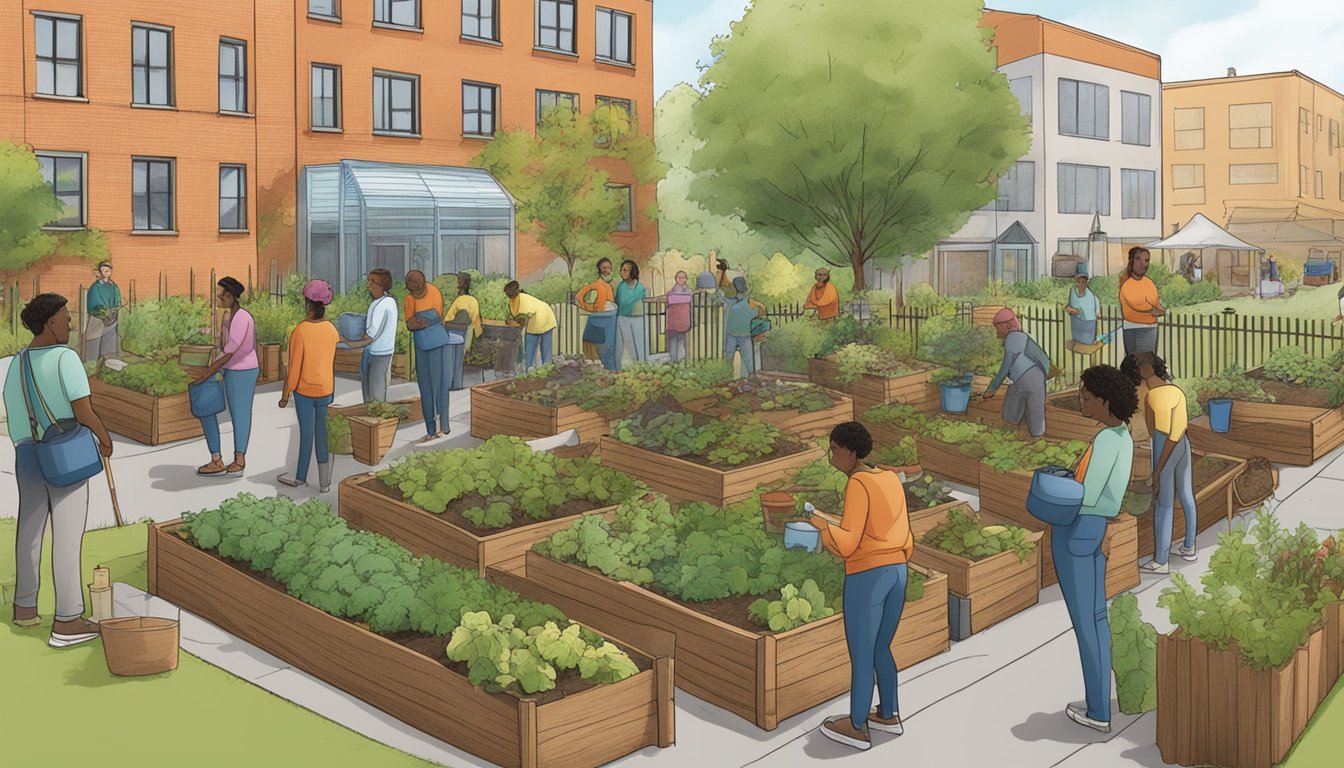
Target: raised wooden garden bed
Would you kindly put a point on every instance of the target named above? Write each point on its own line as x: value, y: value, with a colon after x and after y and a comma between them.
x: 348, y: 360
x: 426, y: 533
x: 687, y: 481
x: 759, y: 676
x: 807, y: 426
x: 494, y: 413
x: 1213, y: 504
x: 869, y: 390
x: 942, y: 459
x: 1214, y: 710
x: 998, y: 587
x: 588, y: 728
x: 146, y: 419
x: 1284, y: 434
x: 415, y: 416
x: 271, y: 369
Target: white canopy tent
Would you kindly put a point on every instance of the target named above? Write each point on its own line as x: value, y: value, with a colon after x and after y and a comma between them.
x: 1201, y: 233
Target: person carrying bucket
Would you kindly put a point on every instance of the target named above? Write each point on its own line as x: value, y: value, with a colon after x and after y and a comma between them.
x: 1028, y: 366
x: 239, y: 365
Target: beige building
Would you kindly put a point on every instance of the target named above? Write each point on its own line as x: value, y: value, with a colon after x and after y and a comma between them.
x: 1260, y: 155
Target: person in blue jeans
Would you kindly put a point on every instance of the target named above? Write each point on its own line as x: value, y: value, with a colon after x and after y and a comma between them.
x: 1109, y: 397
x: 737, y: 327
x: 239, y: 365
x: 312, y: 381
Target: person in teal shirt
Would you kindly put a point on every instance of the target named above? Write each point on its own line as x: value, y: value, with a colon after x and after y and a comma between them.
x: 100, y: 322
x: 630, y: 315
x: 1083, y: 308
x: 1109, y: 397
x: 738, y: 314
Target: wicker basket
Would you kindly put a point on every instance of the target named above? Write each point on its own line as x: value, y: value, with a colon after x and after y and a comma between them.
x: 139, y: 645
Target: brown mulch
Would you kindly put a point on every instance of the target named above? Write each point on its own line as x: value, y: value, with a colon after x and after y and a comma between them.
x: 729, y: 610
x: 1291, y: 394
x: 453, y: 514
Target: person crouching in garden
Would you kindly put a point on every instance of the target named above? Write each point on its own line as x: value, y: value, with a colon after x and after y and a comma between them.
x: 424, y: 319
x: 1108, y: 396
x: 240, y: 366
x: 873, y: 537
x: 1028, y: 366
x: 312, y: 380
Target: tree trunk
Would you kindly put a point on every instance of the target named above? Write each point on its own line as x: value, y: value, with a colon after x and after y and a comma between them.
x: 898, y: 282
x: 856, y: 260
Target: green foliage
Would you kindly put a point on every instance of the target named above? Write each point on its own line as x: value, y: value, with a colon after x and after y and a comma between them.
x: 790, y: 345
x: 27, y: 204
x: 1133, y: 656
x: 367, y: 578
x: 794, y: 608
x: 157, y: 379
x: 573, y: 380
x: 512, y: 481
x: 963, y: 535
x: 1175, y: 291
x: 960, y: 346
x: 1190, y: 388
x: 1231, y: 384
x: 1007, y: 452
x: 856, y: 360
x: 925, y: 296
x: 487, y: 289
x: 781, y: 280
x: 338, y: 434
x: 903, y: 454
x: 1293, y: 366
x: 742, y: 397
x: 380, y: 410
x: 11, y: 343
x: 1047, y: 289
x: 157, y: 328
x: 274, y: 320
x: 1264, y: 592
x: 728, y: 442
x: 929, y: 490
x: 552, y: 289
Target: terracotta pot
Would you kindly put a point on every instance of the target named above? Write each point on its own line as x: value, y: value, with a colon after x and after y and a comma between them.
x: 777, y: 508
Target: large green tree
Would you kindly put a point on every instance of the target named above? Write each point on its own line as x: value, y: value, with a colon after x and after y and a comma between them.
x: 559, y: 176
x: 862, y: 129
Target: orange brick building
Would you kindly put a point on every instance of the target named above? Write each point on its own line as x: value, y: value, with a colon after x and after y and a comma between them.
x: 186, y: 131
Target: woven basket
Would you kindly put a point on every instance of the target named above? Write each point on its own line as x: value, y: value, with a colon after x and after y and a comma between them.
x: 140, y: 645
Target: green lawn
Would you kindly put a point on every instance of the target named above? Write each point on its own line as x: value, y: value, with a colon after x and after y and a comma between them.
x: 63, y: 703
x: 1322, y: 746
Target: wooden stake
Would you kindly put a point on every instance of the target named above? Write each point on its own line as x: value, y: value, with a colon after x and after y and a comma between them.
x: 112, y: 489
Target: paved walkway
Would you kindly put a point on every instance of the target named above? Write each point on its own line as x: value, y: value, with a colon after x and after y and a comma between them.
x: 996, y: 698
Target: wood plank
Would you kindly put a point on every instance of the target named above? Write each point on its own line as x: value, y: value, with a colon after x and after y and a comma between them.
x: 1169, y: 697
x: 686, y: 481
x: 495, y: 414
x: 947, y: 461
x: 581, y: 730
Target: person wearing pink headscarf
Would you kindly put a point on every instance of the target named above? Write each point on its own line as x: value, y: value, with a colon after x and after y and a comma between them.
x: 312, y: 380
x: 1027, y: 365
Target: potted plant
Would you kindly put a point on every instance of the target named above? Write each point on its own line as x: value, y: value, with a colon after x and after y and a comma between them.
x: 372, y: 433
x: 777, y: 508
x: 963, y: 349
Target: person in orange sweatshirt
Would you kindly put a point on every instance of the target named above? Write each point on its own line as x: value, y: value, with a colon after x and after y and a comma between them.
x: 874, y: 539
x: 823, y: 297
x: 1139, y: 304
x: 312, y: 380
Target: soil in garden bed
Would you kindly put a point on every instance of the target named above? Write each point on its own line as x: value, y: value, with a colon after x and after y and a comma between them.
x: 1067, y: 402
x: 565, y: 377
x: 1291, y: 394
x: 436, y: 648
x: 783, y: 447
x: 729, y: 610
x: 453, y: 514
x: 1203, y: 472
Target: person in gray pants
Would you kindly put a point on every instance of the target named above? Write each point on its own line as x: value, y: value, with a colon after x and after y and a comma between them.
x: 1027, y: 365
x: 50, y: 369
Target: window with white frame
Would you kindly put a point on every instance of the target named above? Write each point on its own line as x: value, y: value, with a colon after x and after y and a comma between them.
x: 1303, y: 180
x: 151, y: 194
x: 1084, y: 109
x: 326, y: 97
x: 59, y: 47
x: 396, y: 103
x: 613, y: 35
x: 1136, y: 118
x: 480, y: 102
x: 1084, y: 189
x: 624, y: 193
x: 1021, y: 88
x: 397, y: 13
x: 331, y: 9
x: 1138, y: 194
x: 232, y: 76
x: 547, y: 100
x: 1250, y: 126
x: 64, y: 173
x: 233, y: 197
x: 1017, y: 188
x: 1188, y: 125
x: 555, y: 25
x: 151, y: 66
x: 479, y: 19
x: 1073, y: 246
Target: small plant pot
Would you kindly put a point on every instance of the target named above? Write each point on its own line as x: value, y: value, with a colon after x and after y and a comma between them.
x: 138, y: 646
x: 955, y: 395
x: 777, y: 508
x: 371, y: 439
x: 1220, y: 416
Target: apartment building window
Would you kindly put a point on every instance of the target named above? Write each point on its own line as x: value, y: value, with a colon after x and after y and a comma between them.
x: 1250, y: 126
x: 625, y: 105
x: 1333, y: 137
x: 1253, y: 173
x: 478, y: 19
x: 1017, y: 188
x: 1188, y: 124
x: 1021, y: 88
x: 1341, y: 187
x: 625, y: 193
x: 549, y: 99
x: 555, y: 25
x: 396, y: 103
x: 1084, y: 109
x: 1138, y: 194
x: 233, y: 198
x: 1073, y: 246
x: 1187, y: 176
x: 1136, y: 118
x: 151, y: 194
x: 397, y: 13
x: 613, y: 35
x: 151, y: 66
x: 1304, y: 119
x: 58, y: 42
x: 232, y: 76
x: 1084, y: 189
x: 479, y: 104
x: 330, y: 9
x: 64, y: 173
x: 1320, y: 185
x: 1303, y: 179
x: 326, y: 97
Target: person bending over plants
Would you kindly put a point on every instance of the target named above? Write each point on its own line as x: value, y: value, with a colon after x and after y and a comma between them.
x: 1028, y: 366
x: 874, y: 539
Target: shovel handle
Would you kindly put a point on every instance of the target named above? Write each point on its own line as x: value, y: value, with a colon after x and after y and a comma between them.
x: 112, y: 490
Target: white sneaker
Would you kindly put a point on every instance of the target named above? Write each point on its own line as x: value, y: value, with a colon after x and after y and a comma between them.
x: 877, y: 723
x: 65, y: 634
x: 1188, y: 553
x: 1155, y: 568
x: 1087, y: 722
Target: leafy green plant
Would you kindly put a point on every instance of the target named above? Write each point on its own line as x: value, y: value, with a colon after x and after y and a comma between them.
x: 758, y: 393
x: 929, y: 490
x: 963, y: 535
x: 789, y: 346
x: 157, y: 379
x: 728, y: 442
x: 794, y: 608
x: 1231, y: 384
x: 1293, y: 366
x: 157, y: 328
x: 903, y: 454
x: 856, y: 360
x: 378, y: 409
x: 961, y: 346
x: 1007, y: 452
x: 274, y: 320
x: 338, y: 434
x: 1133, y: 656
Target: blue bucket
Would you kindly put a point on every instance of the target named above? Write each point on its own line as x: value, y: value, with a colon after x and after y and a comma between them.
x: 207, y: 398
x: 955, y: 396
x: 1055, y: 496
x: 351, y: 326
x: 1220, y: 415
x: 802, y: 536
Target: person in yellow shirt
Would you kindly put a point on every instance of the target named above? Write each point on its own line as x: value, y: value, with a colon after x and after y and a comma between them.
x: 464, y: 306
x: 424, y: 319
x: 312, y: 380
x: 874, y: 539
x: 1172, y: 476
x: 598, y: 298
x: 1139, y: 304
x: 823, y: 297
x: 537, y: 320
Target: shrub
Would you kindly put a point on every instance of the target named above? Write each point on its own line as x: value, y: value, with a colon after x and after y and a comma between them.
x: 157, y: 379
x: 790, y: 345
x: 1049, y: 289
x: 552, y: 289
x: 923, y: 296
x: 275, y: 320
x: 157, y: 328
x: 1133, y: 656
x: 960, y: 346
x: 1231, y: 384
x: 11, y: 343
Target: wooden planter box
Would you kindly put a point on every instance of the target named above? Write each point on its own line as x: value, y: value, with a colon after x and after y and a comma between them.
x: 998, y: 587
x: 427, y: 534
x: 871, y: 390
x: 371, y: 439
x: 806, y: 426
x: 268, y: 355
x: 985, y: 315
x: 1284, y: 434
x: 947, y: 461
x: 759, y: 676
x: 687, y: 481
x: 414, y: 416
x: 146, y: 419
x: 194, y: 355
x: 589, y: 728
x: 1212, y: 710
x: 493, y: 413
x: 401, y: 365
x: 348, y: 360
x: 1213, y: 504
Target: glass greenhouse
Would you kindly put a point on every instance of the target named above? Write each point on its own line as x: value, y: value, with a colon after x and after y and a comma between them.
x: 355, y: 216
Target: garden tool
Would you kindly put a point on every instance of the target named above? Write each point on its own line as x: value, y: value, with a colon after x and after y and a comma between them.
x: 112, y: 489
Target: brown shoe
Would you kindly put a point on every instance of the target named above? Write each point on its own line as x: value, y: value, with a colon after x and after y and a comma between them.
x: 67, y: 633
x: 840, y: 730
x: 26, y: 617
x: 891, y: 724
x: 215, y: 467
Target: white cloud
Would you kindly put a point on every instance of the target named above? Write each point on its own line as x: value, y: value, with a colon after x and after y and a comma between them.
x: 1272, y: 36
x: 678, y: 47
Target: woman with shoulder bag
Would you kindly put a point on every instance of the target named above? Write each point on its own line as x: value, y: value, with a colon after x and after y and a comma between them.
x: 239, y: 364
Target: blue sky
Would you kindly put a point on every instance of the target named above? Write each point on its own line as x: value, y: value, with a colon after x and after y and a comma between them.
x: 1196, y: 38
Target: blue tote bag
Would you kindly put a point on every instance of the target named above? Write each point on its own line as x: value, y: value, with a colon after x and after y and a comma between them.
x: 67, y: 451
x: 432, y: 336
